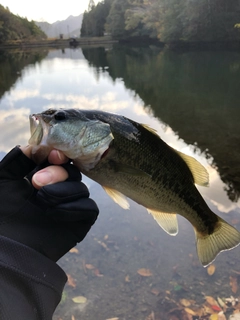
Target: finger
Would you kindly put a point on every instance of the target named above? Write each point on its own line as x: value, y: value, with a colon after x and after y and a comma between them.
x: 57, y: 157
x: 49, y: 175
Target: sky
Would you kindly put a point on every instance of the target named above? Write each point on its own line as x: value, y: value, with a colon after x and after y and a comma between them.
x: 46, y: 10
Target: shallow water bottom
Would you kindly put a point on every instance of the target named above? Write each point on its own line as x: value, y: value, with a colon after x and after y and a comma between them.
x: 104, y: 269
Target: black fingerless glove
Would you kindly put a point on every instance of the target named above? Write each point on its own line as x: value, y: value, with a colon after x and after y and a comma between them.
x: 51, y: 220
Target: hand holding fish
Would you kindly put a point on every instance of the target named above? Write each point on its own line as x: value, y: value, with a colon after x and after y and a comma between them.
x: 51, y: 217
x: 50, y: 174
x: 130, y: 160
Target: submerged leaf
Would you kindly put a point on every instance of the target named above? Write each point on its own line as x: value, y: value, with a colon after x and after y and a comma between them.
x: 79, y: 299
x: 144, y: 272
x: 185, y: 302
x: 74, y: 250
x: 211, y: 301
x: 190, y: 311
x: 233, y: 284
x: 211, y: 269
x: 71, y: 282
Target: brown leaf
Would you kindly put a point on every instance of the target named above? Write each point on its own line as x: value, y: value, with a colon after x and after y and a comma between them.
x: 74, y: 250
x: 185, y: 302
x: 71, y: 282
x: 155, y: 292
x: 233, y: 284
x: 144, y: 272
x: 151, y: 316
x: 97, y: 273
x: 127, y: 278
x: 190, y: 311
x: 89, y: 266
x: 211, y: 269
x: 211, y: 301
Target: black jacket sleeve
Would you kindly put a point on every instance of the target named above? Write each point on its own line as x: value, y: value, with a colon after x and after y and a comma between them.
x: 31, y: 285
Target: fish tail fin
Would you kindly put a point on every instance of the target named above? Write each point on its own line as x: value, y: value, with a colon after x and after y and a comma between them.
x: 224, y: 237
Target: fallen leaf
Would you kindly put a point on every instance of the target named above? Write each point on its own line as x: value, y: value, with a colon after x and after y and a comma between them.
x: 89, y: 266
x: 185, y: 302
x: 211, y: 301
x: 211, y: 269
x: 71, y: 282
x: 112, y: 319
x: 233, y: 284
x: 105, y: 237
x: 190, y: 311
x: 79, y: 299
x: 221, y: 316
x: 151, y: 316
x: 144, y: 272
x: 72, y: 318
x: 213, y: 316
x: 127, y: 278
x: 155, y: 292
x: 97, y: 273
x: 74, y: 250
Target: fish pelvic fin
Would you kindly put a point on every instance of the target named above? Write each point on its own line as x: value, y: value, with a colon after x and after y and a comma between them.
x: 167, y: 221
x: 224, y: 237
x: 117, y: 197
x: 199, y: 172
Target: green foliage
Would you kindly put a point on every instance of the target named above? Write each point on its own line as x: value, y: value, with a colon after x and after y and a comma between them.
x: 14, y: 27
x: 93, y: 23
x: 166, y: 20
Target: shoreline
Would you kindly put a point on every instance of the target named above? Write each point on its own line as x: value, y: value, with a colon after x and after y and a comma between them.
x: 62, y: 43
x: 85, y: 41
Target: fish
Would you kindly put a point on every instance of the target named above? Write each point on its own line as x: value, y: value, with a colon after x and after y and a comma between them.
x: 130, y: 160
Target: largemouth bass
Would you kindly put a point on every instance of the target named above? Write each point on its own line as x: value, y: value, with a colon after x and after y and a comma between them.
x: 130, y: 160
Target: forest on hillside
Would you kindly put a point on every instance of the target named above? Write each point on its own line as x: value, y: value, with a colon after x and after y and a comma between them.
x: 165, y: 20
x: 14, y: 27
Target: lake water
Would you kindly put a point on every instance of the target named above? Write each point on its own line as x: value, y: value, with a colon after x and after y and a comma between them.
x: 192, y: 100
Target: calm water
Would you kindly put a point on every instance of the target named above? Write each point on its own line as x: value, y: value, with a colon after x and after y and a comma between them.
x: 192, y: 100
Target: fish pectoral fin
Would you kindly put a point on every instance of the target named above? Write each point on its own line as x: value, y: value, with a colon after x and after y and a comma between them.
x: 199, y: 172
x: 167, y: 221
x: 118, y: 197
x: 224, y: 237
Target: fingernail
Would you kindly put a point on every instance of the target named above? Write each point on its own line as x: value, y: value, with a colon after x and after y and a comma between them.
x: 42, y: 178
x: 60, y: 156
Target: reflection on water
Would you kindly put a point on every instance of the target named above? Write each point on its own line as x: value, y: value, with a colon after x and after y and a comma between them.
x: 191, y: 99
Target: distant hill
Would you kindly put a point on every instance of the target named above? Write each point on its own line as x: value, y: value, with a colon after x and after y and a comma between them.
x: 69, y: 27
x: 14, y: 27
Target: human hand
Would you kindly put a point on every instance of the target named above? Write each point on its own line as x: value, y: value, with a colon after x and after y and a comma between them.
x: 50, y: 211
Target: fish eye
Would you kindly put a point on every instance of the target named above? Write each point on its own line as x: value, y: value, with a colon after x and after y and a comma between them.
x: 60, y: 115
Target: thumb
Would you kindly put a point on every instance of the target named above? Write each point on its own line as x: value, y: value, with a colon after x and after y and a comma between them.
x: 49, y: 175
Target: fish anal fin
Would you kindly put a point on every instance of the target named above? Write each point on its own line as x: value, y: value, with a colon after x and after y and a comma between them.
x: 199, y: 172
x: 118, y: 197
x: 167, y: 221
x: 224, y: 237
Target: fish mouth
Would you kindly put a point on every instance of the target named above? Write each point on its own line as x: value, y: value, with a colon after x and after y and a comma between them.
x: 38, y: 129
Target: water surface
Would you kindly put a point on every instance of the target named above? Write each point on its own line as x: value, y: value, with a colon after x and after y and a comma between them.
x: 192, y: 100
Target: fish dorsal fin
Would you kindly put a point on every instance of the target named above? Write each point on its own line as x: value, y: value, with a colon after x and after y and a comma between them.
x: 199, y: 173
x: 147, y: 127
x: 167, y: 221
x: 118, y: 197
